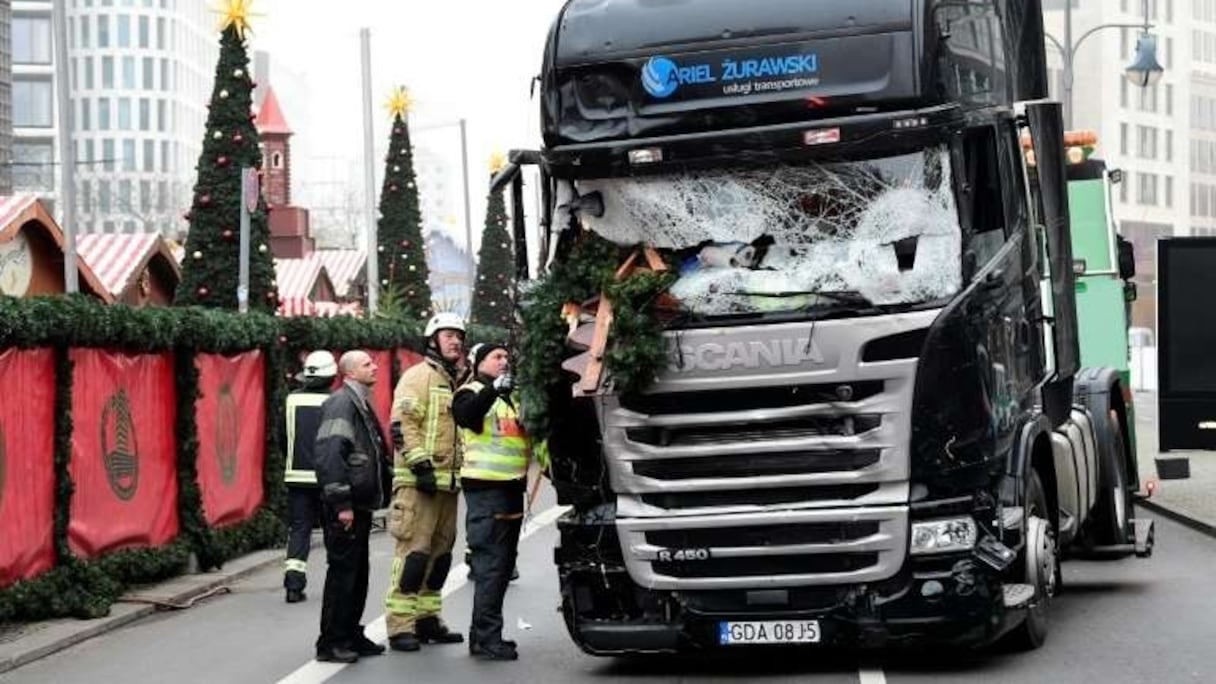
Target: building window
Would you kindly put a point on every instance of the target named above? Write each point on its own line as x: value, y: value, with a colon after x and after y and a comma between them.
x: 1169, y: 99
x: 1169, y: 146
x: 1169, y: 191
x: 33, y: 167
x: 1123, y: 92
x: 276, y: 160
x: 128, y: 154
x: 86, y: 22
x: 124, y: 113
x: 103, y: 30
x: 31, y: 40
x: 164, y: 74
x: 103, y: 201
x: 128, y: 73
x: 108, y: 154
x: 90, y: 155
x: 107, y: 72
x: 1146, y: 189
x: 145, y: 196
x: 160, y: 116
x: 160, y: 33
x: 149, y: 73
x: 86, y: 196
x: 145, y: 114
x: 86, y: 119
x: 162, y: 195
x: 149, y: 155
x: 103, y: 113
x: 1123, y: 138
x: 144, y: 41
x: 164, y: 156
x: 124, y: 30
x: 88, y: 73
x: 32, y: 100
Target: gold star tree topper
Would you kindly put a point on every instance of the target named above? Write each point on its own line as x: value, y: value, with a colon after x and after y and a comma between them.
x: 497, y: 161
x: 399, y: 102
x: 236, y: 13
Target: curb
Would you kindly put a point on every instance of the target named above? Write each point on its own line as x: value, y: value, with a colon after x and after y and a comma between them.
x: 64, y: 633
x: 1180, y: 518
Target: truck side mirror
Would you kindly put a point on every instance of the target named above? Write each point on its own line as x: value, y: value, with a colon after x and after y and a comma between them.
x: 1127, y: 258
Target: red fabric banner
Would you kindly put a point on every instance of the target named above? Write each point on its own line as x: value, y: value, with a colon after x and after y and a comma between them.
x: 123, y: 452
x: 27, y: 464
x: 231, y: 420
x: 382, y: 391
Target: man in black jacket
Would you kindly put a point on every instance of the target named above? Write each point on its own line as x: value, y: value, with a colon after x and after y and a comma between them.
x: 352, y: 472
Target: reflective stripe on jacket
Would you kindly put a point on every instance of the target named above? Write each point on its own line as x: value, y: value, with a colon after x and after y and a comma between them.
x: 303, y: 415
x: 500, y: 451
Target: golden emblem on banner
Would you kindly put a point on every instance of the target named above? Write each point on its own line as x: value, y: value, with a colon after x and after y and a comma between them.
x: 227, y: 433
x: 119, y: 452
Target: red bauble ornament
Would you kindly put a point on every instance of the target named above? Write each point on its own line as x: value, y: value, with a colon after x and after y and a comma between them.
x: 396, y: 131
x: 238, y: 138
x: 221, y: 160
x: 392, y: 188
x: 282, y: 340
x: 227, y: 234
x: 202, y: 292
x: 204, y: 200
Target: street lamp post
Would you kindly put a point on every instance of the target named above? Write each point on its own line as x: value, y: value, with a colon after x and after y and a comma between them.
x: 1144, y: 70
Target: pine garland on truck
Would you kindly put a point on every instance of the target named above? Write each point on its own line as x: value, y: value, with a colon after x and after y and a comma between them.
x: 636, y: 350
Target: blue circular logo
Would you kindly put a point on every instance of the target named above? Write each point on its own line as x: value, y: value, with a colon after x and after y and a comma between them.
x: 659, y: 77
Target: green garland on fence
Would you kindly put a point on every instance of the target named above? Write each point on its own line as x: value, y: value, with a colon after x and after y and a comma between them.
x: 87, y: 588
x: 636, y: 348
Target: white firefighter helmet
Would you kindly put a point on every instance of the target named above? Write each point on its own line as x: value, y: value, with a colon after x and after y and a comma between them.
x: 320, y: 364
x: 444, y: 321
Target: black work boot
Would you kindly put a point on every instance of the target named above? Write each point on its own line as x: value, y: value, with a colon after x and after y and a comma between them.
x: 503, y: 650
x: 430, y: 630
x: 296, y: 596
x: 404, y: 642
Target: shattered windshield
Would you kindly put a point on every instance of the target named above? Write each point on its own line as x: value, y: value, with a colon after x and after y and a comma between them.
x: 880, y: 231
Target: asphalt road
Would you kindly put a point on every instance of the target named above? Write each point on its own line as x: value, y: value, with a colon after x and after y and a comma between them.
x: 1123, y: 621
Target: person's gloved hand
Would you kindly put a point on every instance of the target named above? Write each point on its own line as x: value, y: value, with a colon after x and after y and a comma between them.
x: 424, y: 475
x: 504, y: 383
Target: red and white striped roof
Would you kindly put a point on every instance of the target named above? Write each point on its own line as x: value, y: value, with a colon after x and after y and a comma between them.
x: 11, y: 206
x: 116, y: 258
x: 343, y: 266
x: 296, y: 277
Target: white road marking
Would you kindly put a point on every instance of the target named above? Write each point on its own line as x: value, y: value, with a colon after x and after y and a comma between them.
x: 869, y: 674
x: 314, y: 672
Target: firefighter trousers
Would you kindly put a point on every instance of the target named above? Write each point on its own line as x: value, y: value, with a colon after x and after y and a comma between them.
x: 304, y: 508
x: 424, y: 526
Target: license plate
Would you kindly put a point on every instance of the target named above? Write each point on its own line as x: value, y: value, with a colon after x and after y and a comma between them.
x: 768, y: 632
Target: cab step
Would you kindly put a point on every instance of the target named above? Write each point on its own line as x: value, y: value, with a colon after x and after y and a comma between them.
x: 1017, y: 595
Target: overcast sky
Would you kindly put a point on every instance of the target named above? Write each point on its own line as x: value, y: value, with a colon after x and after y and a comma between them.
x: 460, y: 58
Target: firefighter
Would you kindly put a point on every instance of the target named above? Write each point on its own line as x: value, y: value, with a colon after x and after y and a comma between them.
x: 422, y: 516
x: 493, y: 477
x: 303, y: 416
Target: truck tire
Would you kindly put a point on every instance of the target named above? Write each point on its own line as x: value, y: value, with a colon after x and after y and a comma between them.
x: 1112, y: 510
x: 1041, y: 565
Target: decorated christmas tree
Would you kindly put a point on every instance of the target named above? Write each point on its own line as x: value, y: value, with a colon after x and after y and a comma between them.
x: 494, y: 291
x: 401, y: 249
x: 211, y: 266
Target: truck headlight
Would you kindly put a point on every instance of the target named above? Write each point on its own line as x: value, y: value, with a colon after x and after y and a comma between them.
x: 943, y: 536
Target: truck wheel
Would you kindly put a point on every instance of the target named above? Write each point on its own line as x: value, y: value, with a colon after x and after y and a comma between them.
x: 1114, y: 505
x: 1041, y: 567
